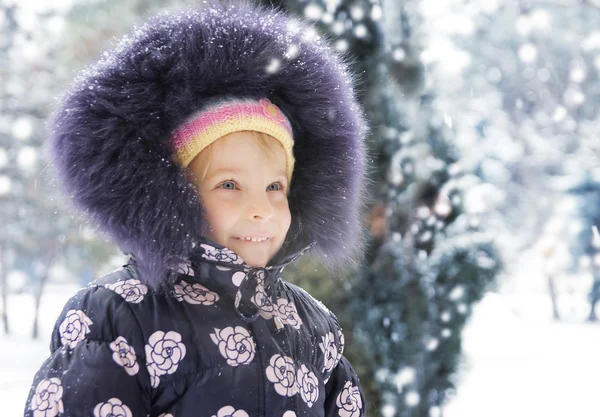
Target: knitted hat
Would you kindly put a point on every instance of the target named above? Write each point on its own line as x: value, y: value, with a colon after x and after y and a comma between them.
x: 228, y: 116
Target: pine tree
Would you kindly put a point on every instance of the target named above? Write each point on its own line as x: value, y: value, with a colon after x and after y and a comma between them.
x: 585, y: 245
x: 354, y: 31
x: 533, y: 96
x: 426, y: 264
x: 433, y: 261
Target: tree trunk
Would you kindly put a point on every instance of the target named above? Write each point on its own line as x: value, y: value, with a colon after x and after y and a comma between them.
x: 40, y: 292
x: 38, y: 298
x: 553, y: 297
x: 594, y: 297
x: 4, y: 290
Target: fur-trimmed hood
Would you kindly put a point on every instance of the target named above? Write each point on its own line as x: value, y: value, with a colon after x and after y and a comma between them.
x: 109, y: 138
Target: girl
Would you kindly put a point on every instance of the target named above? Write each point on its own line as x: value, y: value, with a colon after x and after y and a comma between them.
x: 215, y: 146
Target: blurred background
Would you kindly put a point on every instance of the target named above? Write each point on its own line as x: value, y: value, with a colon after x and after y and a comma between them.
x: 478, y: 291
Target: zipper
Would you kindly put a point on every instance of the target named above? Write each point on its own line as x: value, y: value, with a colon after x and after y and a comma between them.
x: 260, y: 377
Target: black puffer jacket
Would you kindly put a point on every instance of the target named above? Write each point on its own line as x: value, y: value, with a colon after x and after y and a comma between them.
x: 222, y: 339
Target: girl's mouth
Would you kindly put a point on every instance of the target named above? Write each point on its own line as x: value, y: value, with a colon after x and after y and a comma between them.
x: 252, y: 239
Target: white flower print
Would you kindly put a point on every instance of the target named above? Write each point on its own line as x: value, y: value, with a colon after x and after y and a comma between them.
x: 229, y: 411
x: 308, y: 385
x: 289, y: 413
x: 237, y: 278
x: 112, y: 408
x: 74, y: 327
x: 164, y: 352
x: 47, y: 400
x: 348, y: 401
x: 132, y: 290
x: 221, y: 255
x: 330, y: 352
x: 236, y: 345
x: 154, y: 374
x: 124, y: 355
x: 166, y: 415
x: 260, y: 278
x: 185, y: 268
x: 286, y: 310
x: 282, y: 373
x: 341, y: 339
x: 261, y: 300
x: 194, y: 293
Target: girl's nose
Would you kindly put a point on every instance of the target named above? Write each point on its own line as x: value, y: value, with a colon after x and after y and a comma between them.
x: 260, y: 208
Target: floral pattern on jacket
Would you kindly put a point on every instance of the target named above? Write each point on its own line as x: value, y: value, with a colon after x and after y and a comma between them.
x: 191, y: 341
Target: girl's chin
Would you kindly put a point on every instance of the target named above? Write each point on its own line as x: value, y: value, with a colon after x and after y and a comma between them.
x: 254, y: 260
x: 252, y: 256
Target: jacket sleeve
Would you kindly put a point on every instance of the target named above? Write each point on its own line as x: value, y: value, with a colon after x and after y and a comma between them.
x: 343, y: 393
x: 96, y: 366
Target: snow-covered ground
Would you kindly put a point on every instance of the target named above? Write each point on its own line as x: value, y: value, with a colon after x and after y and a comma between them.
x: 517, y: 363
x: 520, y: 363
x: 20, y: 357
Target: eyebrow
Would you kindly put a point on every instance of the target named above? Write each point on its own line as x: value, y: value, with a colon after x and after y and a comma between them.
x: 226, y: 170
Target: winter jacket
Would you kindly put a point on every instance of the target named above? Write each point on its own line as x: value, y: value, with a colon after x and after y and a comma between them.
x: 221, y: 339
x: 149, y: 339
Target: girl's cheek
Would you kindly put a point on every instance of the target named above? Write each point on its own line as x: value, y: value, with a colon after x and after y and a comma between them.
x: 278, y: 197
x: 223, y: 194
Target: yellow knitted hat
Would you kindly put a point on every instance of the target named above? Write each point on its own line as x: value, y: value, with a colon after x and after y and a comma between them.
x: 234, y: 115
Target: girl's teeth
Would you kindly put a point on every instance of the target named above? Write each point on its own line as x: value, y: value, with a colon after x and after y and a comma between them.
x: 254, y: 239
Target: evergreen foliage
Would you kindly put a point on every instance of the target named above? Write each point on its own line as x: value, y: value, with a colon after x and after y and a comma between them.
x: 426, y: 263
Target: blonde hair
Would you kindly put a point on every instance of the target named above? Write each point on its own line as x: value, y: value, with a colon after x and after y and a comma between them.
x: 263, y: 140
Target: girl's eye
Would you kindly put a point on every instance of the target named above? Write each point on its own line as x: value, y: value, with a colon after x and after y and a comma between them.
x: 227, y: 185
x: 275, y: 187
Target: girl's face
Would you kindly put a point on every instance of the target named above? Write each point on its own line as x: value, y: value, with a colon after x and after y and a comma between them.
x: 243, y: 187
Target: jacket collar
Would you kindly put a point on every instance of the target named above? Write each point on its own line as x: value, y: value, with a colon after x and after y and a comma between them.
x: 253, y: 290
x: 224, y: 259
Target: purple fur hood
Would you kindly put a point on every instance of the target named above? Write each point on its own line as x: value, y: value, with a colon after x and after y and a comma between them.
x: 109, y: 138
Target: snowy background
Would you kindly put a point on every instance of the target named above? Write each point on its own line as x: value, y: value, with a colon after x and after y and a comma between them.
x: 490, y: 107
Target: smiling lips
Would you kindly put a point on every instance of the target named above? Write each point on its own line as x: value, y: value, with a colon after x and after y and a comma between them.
x: 252, y: 239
